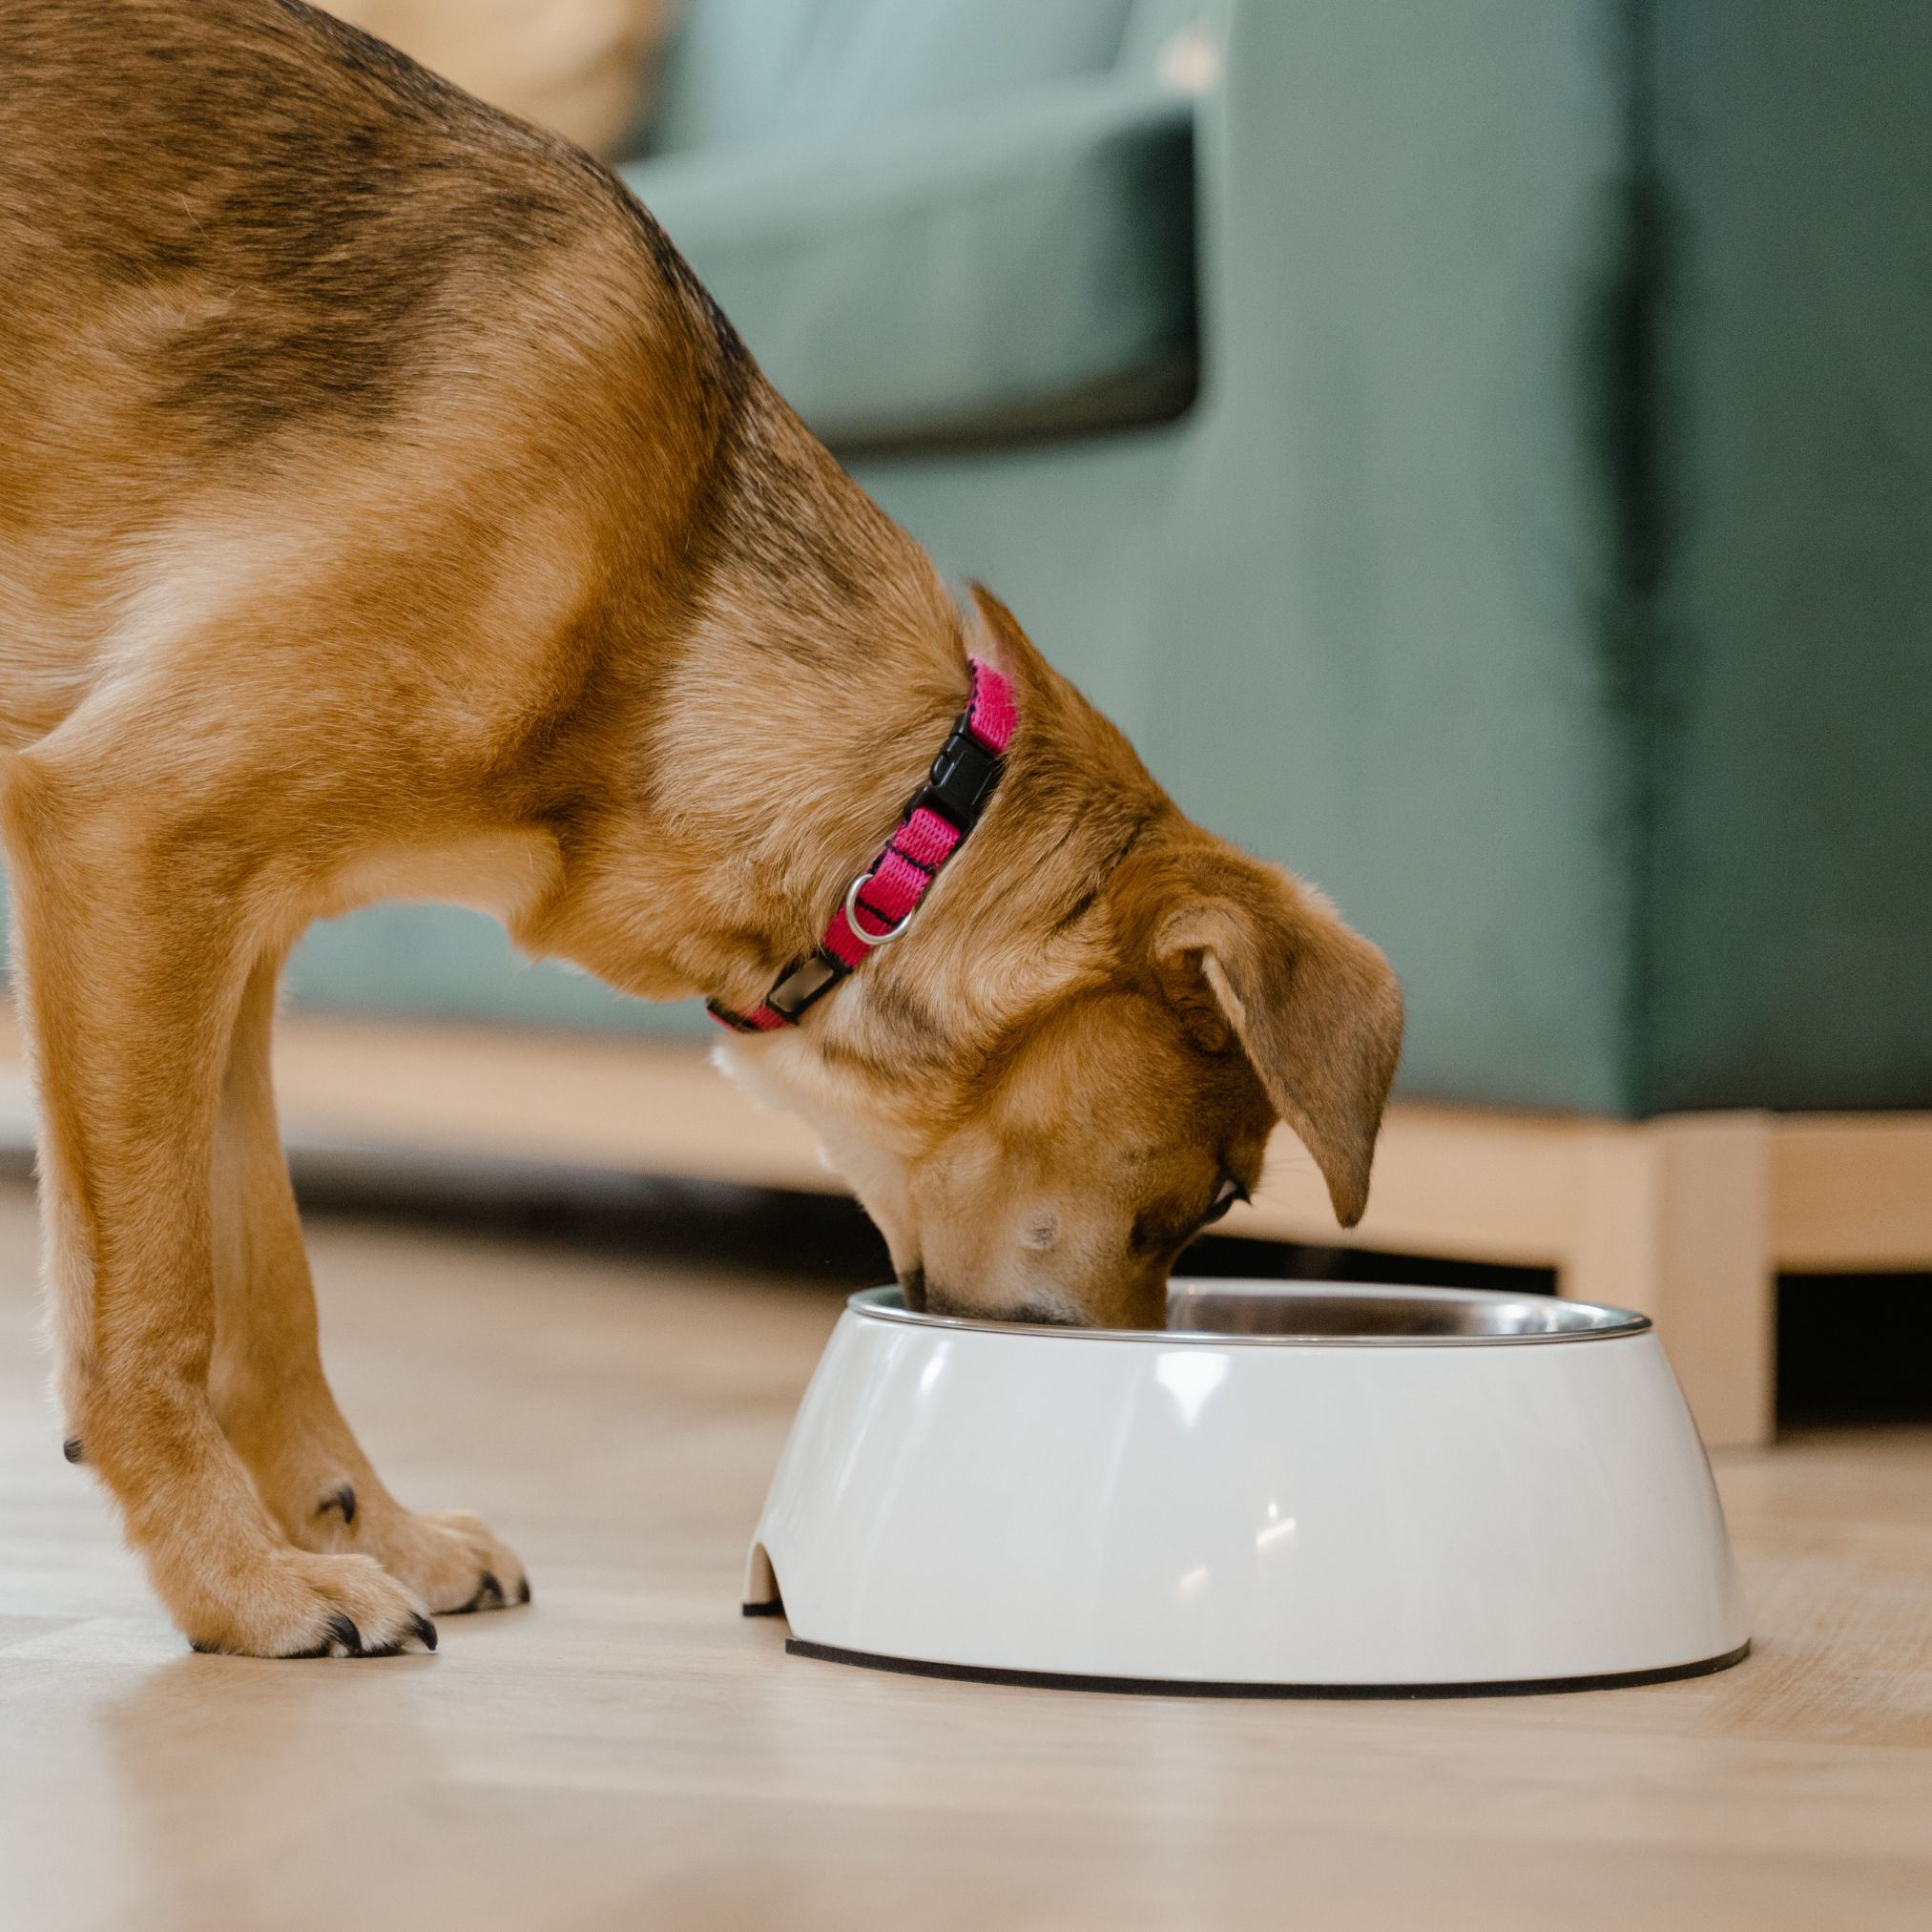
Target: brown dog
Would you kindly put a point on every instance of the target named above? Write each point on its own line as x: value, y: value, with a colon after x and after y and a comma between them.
x: 386, y: 510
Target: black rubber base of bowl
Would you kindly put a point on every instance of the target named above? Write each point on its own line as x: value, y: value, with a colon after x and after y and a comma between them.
x: 1174, y: 1687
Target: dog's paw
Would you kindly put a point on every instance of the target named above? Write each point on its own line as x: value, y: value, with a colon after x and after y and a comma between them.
x: 468, y: 1566
x: 302, y: 1606
x: 452, y: 1559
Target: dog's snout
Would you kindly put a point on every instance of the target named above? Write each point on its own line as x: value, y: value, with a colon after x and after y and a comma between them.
x: 1040, y: 1231
x: 912, y: 1289
x: 1046, y: 1315
x: 1042, y: 1310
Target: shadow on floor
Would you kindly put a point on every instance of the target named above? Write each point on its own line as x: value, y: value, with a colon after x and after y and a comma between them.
x: 1851, y: 1348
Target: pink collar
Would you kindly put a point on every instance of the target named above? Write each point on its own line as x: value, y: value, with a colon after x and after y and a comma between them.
x: 884, y: 897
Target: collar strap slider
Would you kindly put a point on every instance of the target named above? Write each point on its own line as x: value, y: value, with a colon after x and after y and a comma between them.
x: 881, y: 900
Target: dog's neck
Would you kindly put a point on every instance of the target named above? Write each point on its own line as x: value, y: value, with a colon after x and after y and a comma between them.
x: 777, y: 739
x: 879, y: 902
x: 1001, y: 932
x: 840, y: 796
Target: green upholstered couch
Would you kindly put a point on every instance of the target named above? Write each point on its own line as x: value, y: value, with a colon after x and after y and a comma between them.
x: 1482, y: 455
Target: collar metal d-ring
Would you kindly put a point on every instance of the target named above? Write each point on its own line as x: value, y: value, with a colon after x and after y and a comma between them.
x: 858, y: 931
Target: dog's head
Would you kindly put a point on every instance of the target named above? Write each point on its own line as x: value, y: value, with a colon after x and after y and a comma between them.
x: 1042, y: 1098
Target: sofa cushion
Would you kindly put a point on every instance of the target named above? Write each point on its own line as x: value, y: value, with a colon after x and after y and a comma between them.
x: 1019, y: 266
x: 770, y: 72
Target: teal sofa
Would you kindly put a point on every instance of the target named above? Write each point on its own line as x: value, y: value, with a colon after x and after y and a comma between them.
x: 1482, y: 455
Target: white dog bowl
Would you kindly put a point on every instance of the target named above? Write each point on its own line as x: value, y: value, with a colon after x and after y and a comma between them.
x: 1293, y: 1489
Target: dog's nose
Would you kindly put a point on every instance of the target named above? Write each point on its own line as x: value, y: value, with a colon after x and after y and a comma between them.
x: 912, y: 1289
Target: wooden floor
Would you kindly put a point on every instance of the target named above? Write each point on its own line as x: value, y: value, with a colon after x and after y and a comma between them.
x: 629, y: 1752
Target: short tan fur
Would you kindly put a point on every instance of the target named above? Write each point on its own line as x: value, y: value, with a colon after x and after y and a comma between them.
x: 385, y: 508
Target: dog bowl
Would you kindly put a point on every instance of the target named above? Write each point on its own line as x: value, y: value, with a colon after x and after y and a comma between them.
x: 1291, y: 1490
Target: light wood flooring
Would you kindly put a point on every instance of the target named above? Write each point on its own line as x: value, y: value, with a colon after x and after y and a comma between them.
x: 630, y: 1752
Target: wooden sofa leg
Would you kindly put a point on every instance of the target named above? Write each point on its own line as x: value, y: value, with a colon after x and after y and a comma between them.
x: 1675, y: 1219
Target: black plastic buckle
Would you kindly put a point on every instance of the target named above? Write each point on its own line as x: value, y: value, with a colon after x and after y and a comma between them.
x: 811, y: 979
x: 961, y: 779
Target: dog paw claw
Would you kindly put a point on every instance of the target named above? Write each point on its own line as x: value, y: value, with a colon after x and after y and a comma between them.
x: 342, y: 1499
x: 489, y: 1594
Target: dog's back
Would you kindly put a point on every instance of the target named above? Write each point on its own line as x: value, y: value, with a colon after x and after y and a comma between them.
x: 264, y: 211
x: 243, y: 245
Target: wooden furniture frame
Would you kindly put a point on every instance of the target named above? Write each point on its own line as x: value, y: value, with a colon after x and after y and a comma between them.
x: 1689, y: 1217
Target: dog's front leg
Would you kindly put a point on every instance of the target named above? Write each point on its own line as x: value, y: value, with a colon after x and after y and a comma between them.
x: 138, y: 912
x: 269, y: 1390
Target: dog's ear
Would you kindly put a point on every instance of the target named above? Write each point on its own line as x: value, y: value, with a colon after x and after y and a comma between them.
x: 1006, y: 646
x: 1316, y: 1008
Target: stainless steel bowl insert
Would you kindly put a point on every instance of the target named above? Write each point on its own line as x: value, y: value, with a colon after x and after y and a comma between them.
x: 1311, y: 1313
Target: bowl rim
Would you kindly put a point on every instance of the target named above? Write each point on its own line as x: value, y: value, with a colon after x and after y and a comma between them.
x: 1602, y: 1322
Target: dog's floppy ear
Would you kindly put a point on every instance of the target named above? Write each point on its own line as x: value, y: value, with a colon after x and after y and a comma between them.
x: 1316, y: 1007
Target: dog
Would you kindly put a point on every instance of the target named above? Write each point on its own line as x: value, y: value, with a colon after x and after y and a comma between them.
x: 386, y: 510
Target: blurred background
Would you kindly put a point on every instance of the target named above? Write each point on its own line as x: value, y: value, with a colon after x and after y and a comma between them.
x: 1480, y: 454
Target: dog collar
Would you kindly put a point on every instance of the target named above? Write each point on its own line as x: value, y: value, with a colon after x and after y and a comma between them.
x: 882, y: 898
